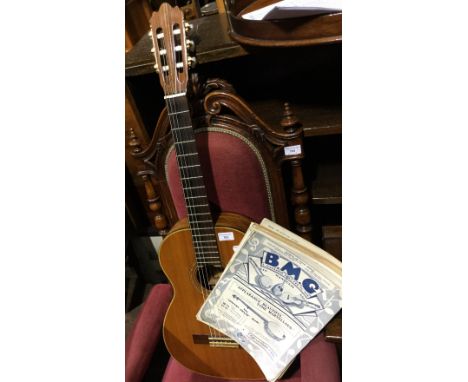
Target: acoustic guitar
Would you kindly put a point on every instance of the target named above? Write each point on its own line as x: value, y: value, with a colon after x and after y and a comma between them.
x: 196, y: 249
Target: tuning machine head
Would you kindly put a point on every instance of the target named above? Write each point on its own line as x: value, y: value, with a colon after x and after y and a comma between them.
x: 190, y: 45
x: 192, y: 62
x: 188, y: 27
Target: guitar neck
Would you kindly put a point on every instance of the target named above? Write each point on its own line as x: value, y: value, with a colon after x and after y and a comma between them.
x: 193, y: 185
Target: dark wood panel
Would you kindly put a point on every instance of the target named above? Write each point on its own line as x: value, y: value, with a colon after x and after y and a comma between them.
x: 305, y: 31
x: 211, y: 37
x: 326, y: 185
x: 333, y: 329
x: 331, y: 240
x: 315, y: 119
x: 137, y: 13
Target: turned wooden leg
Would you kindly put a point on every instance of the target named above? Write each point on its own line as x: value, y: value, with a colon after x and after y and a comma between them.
x: 299, y: 192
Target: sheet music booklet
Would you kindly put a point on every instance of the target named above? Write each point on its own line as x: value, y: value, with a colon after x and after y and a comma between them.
x: 275, y: 295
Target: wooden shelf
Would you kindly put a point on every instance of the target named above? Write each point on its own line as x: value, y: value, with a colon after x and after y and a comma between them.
x: 331, y: 240
x: 326, y: 186
x: 316, y: 120
x: 301, y: 31
x: 211, y: 39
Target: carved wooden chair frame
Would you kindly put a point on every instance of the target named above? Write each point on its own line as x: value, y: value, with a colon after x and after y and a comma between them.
x: 216, y: 107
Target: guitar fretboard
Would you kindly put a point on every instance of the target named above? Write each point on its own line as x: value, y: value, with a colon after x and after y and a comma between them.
x: 196, y: 200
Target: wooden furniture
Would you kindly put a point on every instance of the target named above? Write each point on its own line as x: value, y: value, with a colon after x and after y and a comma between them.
x: 147, y: 361
x: 331, y: 242
x: 308, y: 78
x: 288, y: 32
x: 221, y: 109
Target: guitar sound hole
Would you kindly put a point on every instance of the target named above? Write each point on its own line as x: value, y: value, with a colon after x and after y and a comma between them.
x: 208, y: 275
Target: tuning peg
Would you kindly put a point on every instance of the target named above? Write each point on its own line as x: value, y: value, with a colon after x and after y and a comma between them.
x: 190, y: 44
x: 188, y: 27
x: 192, y: 62
x: 150, y: 33
x: 152, y: 49
x: 156, y: 68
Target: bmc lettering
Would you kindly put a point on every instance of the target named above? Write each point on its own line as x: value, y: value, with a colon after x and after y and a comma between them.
x: 274, y: 260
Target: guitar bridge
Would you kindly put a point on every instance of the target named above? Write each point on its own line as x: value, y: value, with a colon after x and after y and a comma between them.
x: 214, y: 341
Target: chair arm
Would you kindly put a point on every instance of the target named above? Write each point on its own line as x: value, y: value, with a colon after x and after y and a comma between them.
x: 333, y: 329
x: 319, y: 361
x: 146, y: 332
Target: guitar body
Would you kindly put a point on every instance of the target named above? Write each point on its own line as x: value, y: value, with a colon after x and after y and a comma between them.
x: 184, y: 335
x: 191, y: 255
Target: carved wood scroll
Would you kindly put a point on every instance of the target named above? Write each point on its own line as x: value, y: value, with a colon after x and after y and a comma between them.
x: 215, y: 104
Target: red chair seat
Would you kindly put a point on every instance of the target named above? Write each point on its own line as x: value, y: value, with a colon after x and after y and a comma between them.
x: 319, y: 361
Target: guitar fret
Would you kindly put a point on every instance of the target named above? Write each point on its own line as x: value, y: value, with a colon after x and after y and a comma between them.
x: 186, y: 155
x: 203, y: 233
x: 210, y: 257
x: 178, y: 112
x: 194, y: 165
x: 191, y: 177
x: 187, y: 141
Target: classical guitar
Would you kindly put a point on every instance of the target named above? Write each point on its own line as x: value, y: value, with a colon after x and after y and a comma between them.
x: 191, y: 255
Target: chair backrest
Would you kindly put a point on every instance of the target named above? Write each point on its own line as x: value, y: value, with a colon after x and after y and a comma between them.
x: 235, y: 174
x: 241, y: 158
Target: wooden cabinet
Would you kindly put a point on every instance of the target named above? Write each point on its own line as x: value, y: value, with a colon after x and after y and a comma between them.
x: 308, y: 78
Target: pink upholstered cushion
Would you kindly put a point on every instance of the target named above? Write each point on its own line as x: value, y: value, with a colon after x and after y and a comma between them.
x: 232, y: 174
x: 175, y: 372
x: 146, y: 332
x: 319, y: 363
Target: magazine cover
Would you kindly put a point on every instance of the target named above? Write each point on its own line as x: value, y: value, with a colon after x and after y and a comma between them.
x: 277, y: 292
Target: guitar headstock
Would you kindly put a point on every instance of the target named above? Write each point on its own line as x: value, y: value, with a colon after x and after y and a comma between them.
x: 168, y: 32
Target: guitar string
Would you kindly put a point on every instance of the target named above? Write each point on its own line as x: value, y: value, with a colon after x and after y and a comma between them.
x: 178, y: 136
x: 193, y: 221
x: 196, y: 161
x: 174, y: 126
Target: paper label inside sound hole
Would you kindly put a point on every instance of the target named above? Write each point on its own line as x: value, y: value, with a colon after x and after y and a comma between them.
x: 225, y: 236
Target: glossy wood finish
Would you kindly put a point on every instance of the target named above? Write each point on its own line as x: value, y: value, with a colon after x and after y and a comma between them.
x: 218, y: 106
x: 326, y: 185
x: 136, y: 139
x: 178, y: 261
x: 137, y: 14
x: 164, y: 25
x: 316, y: 120
x: 331, y: 241
x: 280, y: 33
x: 299, y: 194
x: 211, y: 38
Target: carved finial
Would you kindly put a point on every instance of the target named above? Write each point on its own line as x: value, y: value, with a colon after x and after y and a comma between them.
x: 289, y: 122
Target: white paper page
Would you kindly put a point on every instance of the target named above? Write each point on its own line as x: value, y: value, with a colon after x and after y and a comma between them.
x: 294, y: 8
